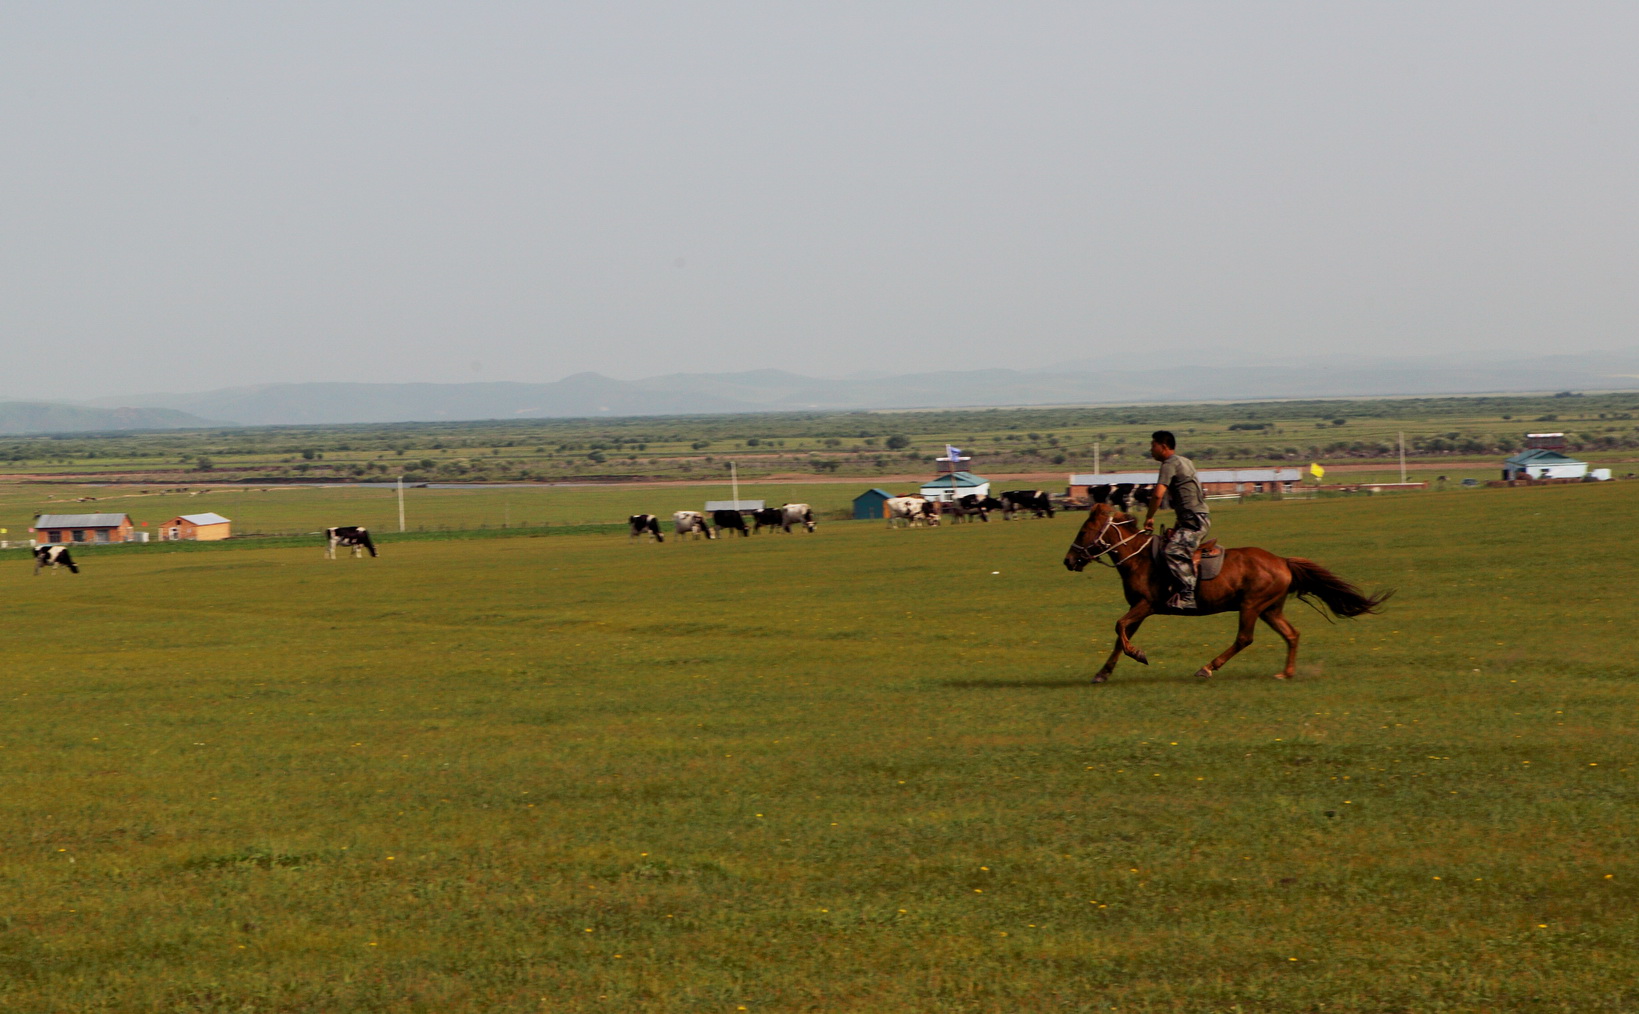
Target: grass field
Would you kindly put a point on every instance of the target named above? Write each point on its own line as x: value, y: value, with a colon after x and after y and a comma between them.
x: 855, y: 771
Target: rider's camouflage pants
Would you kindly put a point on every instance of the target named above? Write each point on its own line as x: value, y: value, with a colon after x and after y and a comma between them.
x: 1180, y: 551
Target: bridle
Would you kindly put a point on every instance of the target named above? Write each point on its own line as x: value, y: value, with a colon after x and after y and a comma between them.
x: 1087, y: 556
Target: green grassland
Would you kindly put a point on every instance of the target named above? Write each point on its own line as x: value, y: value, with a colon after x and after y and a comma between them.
x: 1600, y: 428
x: 855, y: 771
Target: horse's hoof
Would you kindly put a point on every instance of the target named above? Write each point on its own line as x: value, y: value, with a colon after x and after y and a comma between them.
x: 1137, y: 655
x: 1283, y: 675
x: 1101, y: 677
x: 1203, y: 673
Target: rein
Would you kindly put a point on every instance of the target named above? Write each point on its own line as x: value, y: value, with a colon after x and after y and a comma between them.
x: 1088, y: 556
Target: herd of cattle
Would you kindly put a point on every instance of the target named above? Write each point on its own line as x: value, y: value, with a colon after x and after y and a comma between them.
x: 919, y: 510
x: 901, y: 511
x: 694, y: 523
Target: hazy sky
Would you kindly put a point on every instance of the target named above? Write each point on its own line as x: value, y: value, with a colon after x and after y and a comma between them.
x: 196, y: 195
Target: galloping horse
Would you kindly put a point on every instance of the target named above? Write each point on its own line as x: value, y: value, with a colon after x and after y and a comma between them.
x: 1253, y: 581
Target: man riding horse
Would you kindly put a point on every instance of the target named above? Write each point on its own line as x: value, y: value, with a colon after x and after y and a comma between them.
x: 1181, y: 487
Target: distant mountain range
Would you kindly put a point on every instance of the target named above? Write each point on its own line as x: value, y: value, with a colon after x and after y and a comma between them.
x: 1166, y: 377
x: 23, y: 417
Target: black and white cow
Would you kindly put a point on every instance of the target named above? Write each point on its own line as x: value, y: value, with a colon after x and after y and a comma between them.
x: 973, y: 505
x: 1015, y: 500
x: 768, y: 517
x: 53, y: 557
x: 798, y: 514
x: 642, y: 523
x: 1121, y: 497
x: 958, y: 511
x: 691, y: 523
x: 912, y: 510
x: 732, y: 521
x: 354, y: 537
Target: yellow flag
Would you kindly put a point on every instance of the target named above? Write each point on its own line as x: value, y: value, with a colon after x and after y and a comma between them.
x: 1315, y: 470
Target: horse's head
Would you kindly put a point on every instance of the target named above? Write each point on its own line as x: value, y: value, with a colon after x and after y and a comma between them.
x: 1106, y: 530
x: 1089, y: 543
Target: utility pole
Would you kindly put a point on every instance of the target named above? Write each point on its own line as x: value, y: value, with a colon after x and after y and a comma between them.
x: 401, y: 503
x: 734, y: 483
x: 1402, y: 457
x: 1095, y: 457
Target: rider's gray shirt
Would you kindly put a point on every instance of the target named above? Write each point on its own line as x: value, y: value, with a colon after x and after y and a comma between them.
x: 1184, y: 489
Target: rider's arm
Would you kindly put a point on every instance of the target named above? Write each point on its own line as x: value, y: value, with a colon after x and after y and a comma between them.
x: 1158, y: 491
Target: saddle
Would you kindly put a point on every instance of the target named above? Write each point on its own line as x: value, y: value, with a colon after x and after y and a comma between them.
x: 1208, y: 556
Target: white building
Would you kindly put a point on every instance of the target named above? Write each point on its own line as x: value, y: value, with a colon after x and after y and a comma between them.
x: 1541, y: 463
x: 954, y: 486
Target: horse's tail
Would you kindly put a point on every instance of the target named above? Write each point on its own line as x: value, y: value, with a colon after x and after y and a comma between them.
x: 1341, y: 597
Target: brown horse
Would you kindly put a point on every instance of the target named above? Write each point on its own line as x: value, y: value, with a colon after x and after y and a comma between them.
x: 1253, y: 581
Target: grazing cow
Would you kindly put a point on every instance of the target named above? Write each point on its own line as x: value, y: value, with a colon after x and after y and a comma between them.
x: 734, y: 521
x: 1121, y: 497
x: 641, y: 523
x: 1039, y: 501
x: 354, y: 537
x: 768, y: 517
x: 798, y: 514
x: 691, y: 523
x: 974, y: 504
x: 913, y: 510
x: 959, y: 511
x: 53, y: 557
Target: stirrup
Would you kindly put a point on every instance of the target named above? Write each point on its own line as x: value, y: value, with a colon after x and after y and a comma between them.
x: 1176, y: 601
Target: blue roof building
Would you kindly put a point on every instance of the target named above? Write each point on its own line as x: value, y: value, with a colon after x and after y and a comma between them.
x: 955, y: 485
x: 1542, y: 463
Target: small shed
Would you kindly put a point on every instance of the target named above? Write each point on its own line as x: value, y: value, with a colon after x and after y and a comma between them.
x: 955, y: 485
x: 869, y: 504
x: 1542, y: 463
x: 195, y: 528
x: 72, y: 528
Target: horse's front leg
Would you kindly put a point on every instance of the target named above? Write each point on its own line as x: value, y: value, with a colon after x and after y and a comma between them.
x: 1124, y: 629
x: 1243, y: 637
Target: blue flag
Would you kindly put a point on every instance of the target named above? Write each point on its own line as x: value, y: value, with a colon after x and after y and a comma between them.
x: 953, y: 453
